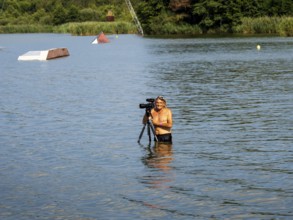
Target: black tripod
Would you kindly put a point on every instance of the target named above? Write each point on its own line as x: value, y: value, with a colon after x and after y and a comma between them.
x: 150, y: 127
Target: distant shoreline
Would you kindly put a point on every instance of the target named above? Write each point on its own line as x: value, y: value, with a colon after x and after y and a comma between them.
x: 249, y: 27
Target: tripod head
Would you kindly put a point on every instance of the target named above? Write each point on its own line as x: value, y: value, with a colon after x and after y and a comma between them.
x: 148, y: 112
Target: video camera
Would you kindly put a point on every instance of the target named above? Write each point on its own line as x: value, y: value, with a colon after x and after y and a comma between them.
x: 148, y: 106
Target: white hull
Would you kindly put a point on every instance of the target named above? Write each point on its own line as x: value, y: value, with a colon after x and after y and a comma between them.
x: 44, y: 54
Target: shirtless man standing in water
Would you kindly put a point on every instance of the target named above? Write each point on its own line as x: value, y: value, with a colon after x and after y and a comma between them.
x: 161, y: 117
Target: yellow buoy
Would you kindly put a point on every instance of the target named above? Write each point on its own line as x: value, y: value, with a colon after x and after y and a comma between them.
x: 258, y: 47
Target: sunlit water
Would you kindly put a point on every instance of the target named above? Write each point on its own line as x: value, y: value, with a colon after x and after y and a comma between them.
x: 69, y: 129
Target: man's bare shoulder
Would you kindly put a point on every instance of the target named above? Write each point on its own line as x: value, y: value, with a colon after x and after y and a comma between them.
x: 168, y: 110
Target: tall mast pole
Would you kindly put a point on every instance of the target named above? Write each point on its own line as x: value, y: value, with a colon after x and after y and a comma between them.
x: 133, y: 14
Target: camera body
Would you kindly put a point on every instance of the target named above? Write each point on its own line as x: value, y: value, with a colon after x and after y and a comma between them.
x: 148, y: 106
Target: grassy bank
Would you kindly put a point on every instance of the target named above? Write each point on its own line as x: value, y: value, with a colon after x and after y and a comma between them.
x: 93, y: 28
x: 281, y: 26
x: 277, y: 26
x: 81, y: 28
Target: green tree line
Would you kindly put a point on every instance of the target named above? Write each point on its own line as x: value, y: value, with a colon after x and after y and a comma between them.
x: 211, y: 15
x: 156, y: 16
x: 56, y: 12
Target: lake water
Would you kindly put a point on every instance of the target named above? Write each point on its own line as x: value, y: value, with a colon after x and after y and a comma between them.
x: 69, y: 129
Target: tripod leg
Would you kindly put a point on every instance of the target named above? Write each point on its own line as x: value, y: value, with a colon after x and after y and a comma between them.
x: 153, y: 130
x: 149, y: 133
x: 141, y: 133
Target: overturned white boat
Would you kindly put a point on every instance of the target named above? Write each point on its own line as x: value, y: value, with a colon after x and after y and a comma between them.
x: 45, y: 54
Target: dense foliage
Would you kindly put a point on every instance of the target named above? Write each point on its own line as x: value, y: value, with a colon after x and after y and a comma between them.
x: 221, y: 15
x: 56, y: 12
x: 156, y: 16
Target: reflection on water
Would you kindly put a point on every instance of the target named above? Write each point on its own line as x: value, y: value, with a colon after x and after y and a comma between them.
x: 160, y: 156
x: 158, y: 159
